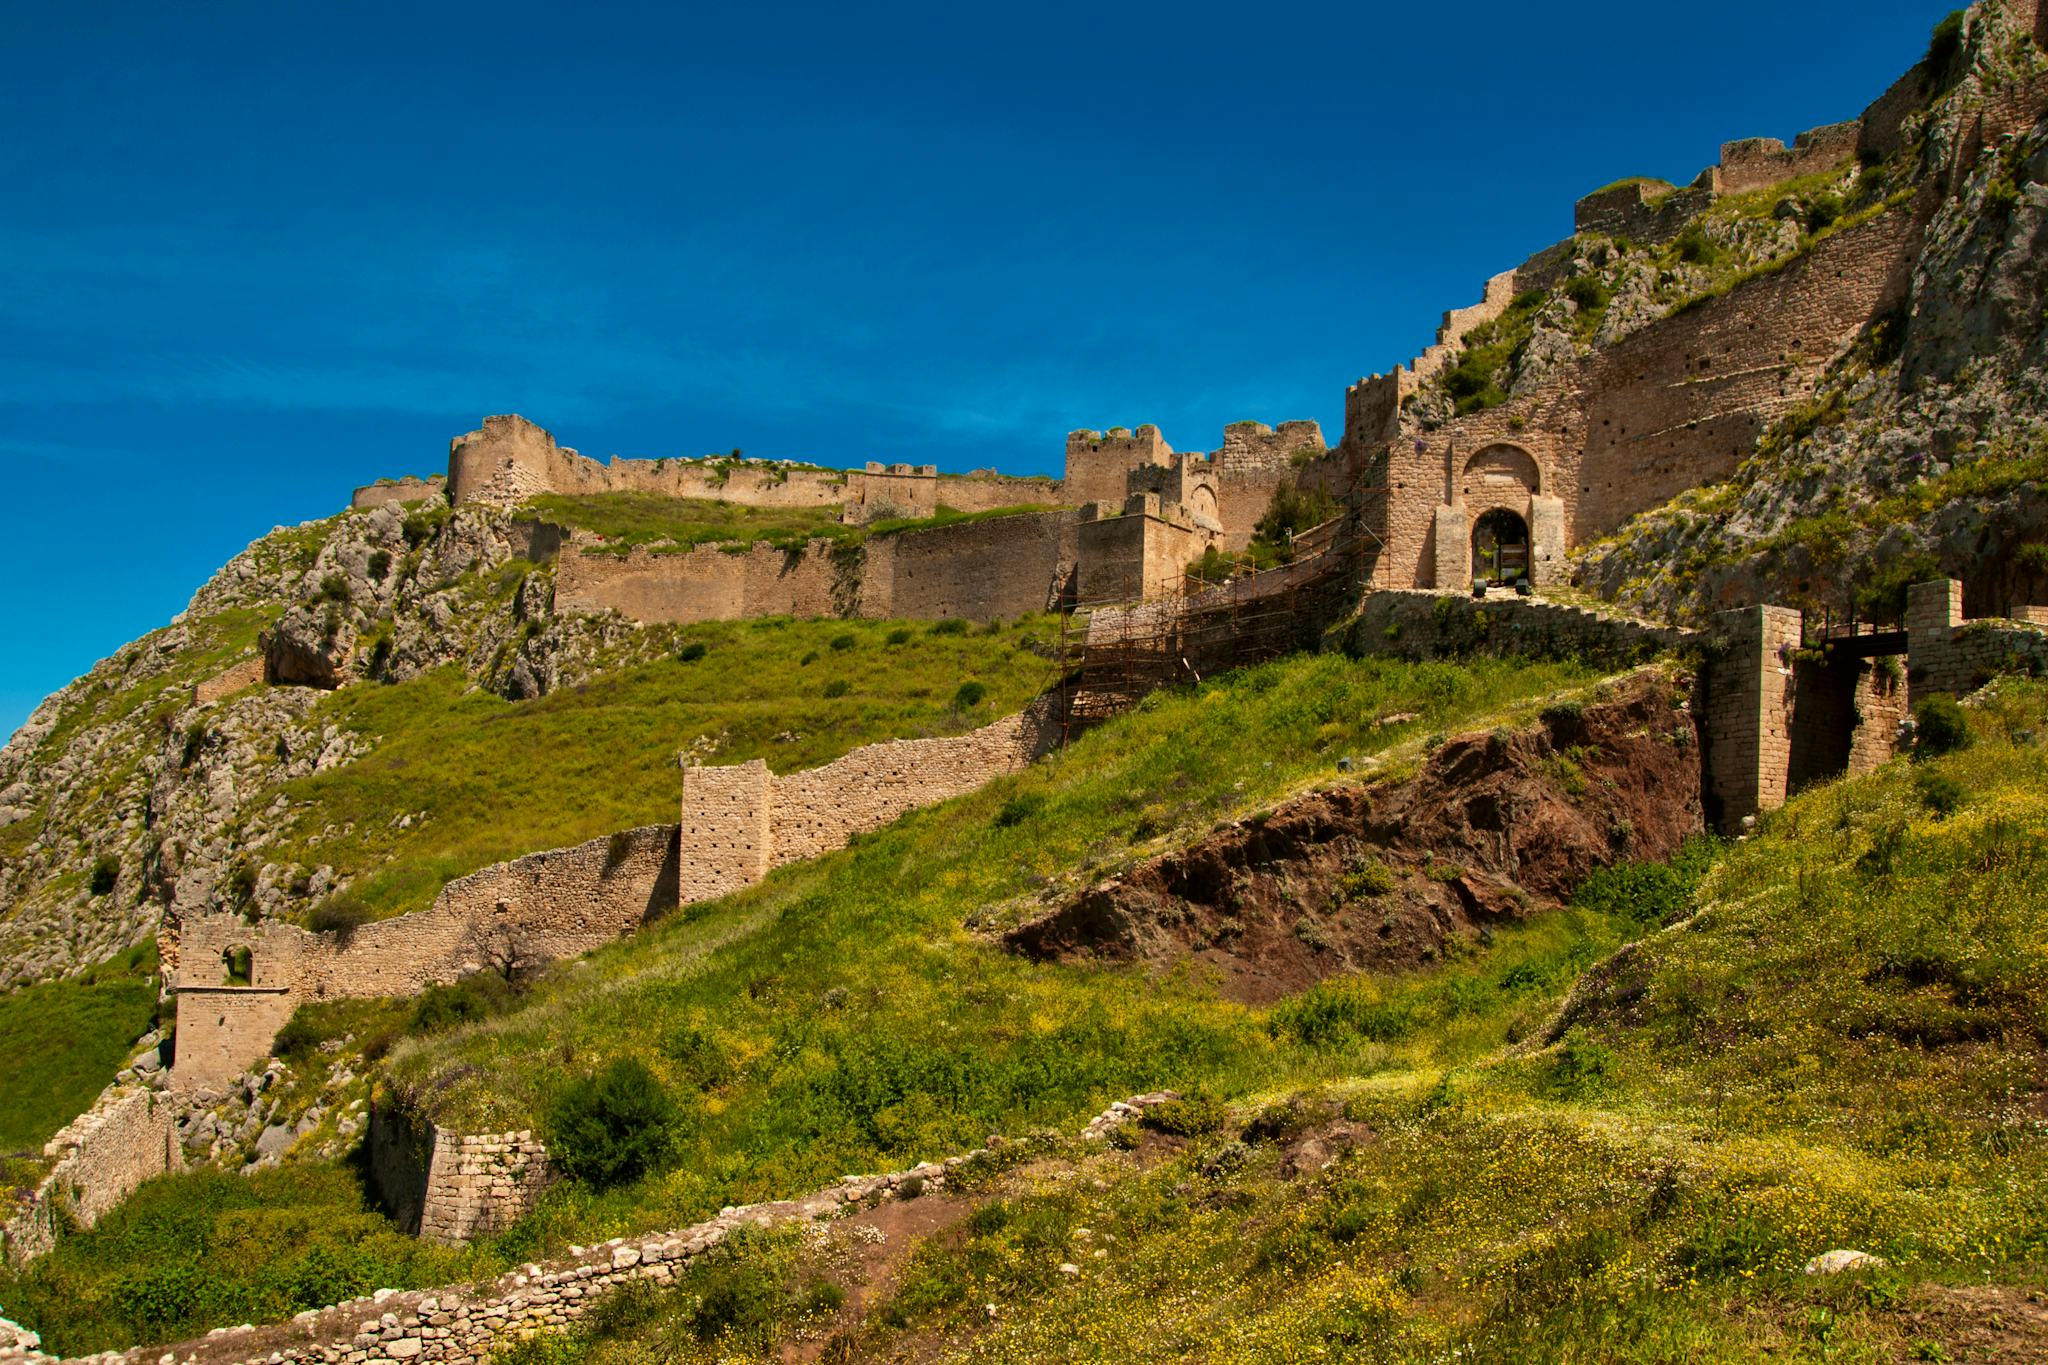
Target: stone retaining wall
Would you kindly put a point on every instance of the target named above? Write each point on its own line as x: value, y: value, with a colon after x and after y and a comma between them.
x: 124, y: 1139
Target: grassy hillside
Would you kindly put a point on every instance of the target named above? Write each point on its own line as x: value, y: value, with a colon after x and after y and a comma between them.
x: 488, y: 779
x: 61, y: 1043
x: 839, y: 1017
x: 1843, y: 1049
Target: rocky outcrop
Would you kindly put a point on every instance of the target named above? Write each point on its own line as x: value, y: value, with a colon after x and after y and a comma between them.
x: 1919, y: 455
x: 1495, y: 827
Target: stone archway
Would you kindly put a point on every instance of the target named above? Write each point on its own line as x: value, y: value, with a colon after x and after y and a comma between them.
x: 1500, y: 546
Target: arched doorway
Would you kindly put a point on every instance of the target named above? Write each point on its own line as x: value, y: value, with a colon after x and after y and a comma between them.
x: 1500, y: 547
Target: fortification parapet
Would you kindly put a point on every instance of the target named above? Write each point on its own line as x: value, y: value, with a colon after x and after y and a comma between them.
x: 508, y: 460
x: 1099, y: 463
x: 1755, y: 163
x: 387, y: 492
x: 1254, y: 445
x: 1651, y: 211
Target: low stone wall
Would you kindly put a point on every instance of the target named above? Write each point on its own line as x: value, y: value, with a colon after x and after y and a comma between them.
x: 461, y: 1325
x: 238, y: 678
x: 546, y: 905
x: 1952, y: 655
x: 407, y: 489
x: 124, y: 1139
x: 739, y: 822
x: 1412, y: 624
x: 449, y: 1187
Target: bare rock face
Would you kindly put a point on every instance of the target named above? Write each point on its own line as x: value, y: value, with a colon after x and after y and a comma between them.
x: 1496, y: 827
x: 308, y: 648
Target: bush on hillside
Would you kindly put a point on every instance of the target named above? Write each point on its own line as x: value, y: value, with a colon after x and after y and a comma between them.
x: 969, y: 696
x: 838, y: 687
x: 844, y: 642
x: 476, y: 996
x: 691, y: 652
x: 1939, y: 727
x: 898, y: 636
x: 952, y: 625
x: 338, y: 915
x: 614, y: 1129
x: 106, y: 870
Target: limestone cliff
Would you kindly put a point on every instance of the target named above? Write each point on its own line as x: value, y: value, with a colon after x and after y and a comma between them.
x: 1920, y: 452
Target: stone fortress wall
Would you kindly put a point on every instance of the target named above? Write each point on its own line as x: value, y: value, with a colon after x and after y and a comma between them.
x: 737, y: 824
x: 1000, y: 568
x: 1677, y: 404
x: 125, y: 1138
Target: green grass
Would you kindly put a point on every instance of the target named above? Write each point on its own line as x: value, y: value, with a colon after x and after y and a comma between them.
x: 185, y: 1253
x: 497, y: 779
x: 839, y: 1017
x: 1843, y: 1048
x: 62, y: 1041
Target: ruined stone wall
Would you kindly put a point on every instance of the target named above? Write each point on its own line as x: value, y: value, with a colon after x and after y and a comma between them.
x: 1845, y: 717
x: 726, y: 843
x: 407, y: 489
x: 818, y: 810
x: 1952, y: 656
x: 1099, y: 464
x: 508, y: 460
x: 986, y: 491
x: 125, y: 1138
x: 752, y: 484
x: 1758, y: 163
x: 1650, y: 212
x: 1428, y: 625
x: 553, y: 904
x: 1674, y: 406
x: 235, y: 678
x: 481, y: 1183
x: 1747, y: 719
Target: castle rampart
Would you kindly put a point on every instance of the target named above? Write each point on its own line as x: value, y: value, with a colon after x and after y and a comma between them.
x: 397, y: 492
x: 124, y: 1139
x: 238, y: 983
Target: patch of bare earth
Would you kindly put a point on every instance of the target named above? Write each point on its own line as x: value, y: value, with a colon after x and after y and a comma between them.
x: 1496, y: 827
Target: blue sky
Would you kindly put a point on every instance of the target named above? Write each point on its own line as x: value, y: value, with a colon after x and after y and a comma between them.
x: 256, y: 254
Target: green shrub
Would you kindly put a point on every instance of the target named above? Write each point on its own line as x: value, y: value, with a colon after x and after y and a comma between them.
x: 1195, y: 1115
x: 1694, y: 247
x: 1944, y: 45
x: 969, y: 696
x: 106, y: 870
x: 614, y: 1129
x: 692, y: 652
x: 1939, y: 792
x: 1292, y: 511
x: 1369, y: 877
x: 477, y: 996
x: 810, y: 657
x: 844, y: 642
x: 300, y: 1035
x: 1649, y: 894
x: 1939, y: 727
x: 898, y: 636
x: 340, y: 915
x: 1823, y: 212
x: 838, y: 687
x: 1018, y: 809
x: 379, y: 566
x: 334, y: 588
x: 952, y: 625
x: 1589, y: 293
